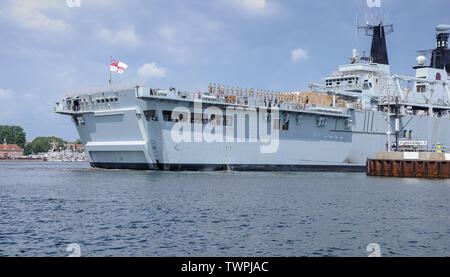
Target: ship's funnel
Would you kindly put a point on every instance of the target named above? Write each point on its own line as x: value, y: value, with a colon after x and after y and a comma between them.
x: 442, y: 28
x: 379, y: 50
x: 441, y: 55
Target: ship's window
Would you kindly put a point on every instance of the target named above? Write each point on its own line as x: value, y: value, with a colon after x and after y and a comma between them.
x: 79, y: 121
x: 210, y: 117
x: 286, y: 126
x: 421, y: 88
x: 75, y: 120
x: 179, y: 117
x: 205, y: 119
x: 167, y: 115
x: 196, y: 118
x: 151, y: 115
x: 321, y: 121
x: 228, y: 120
x: 213, y: 119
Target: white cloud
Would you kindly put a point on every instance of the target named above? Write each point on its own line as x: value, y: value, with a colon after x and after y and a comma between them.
x: 299, y: 54
x: 177, y: 40
x: 125, y: 37
x: 254, y: 5
x: 260, y: 7
x: 29, y: 96
x: 185, y: 37
x: 5, y: 93
x: 33, y: 15
x: 102, y: 3
x: 151, y: 70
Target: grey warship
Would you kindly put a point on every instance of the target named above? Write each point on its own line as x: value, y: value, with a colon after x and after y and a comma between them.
x: 359, y: 110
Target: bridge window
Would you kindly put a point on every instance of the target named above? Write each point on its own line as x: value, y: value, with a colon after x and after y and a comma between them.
x: 421, y: 88
x: 151, y: 115
x: 167, y: 115
x: 179, y: 117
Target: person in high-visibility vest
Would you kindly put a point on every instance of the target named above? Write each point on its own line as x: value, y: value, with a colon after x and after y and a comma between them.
x: 439, y: 148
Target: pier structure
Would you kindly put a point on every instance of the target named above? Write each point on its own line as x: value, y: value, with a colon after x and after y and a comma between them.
x: 410, y: 165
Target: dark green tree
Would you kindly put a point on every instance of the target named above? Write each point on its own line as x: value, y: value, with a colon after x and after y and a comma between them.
x: 43, y: 144
x: 13, y: 135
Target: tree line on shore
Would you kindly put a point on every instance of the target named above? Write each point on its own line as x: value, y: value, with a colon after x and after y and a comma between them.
x: 17, y: 135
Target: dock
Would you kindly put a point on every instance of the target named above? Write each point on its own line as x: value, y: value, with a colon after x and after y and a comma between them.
x: 410, y: 165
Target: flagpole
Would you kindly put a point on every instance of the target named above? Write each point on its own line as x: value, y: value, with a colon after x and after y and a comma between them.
x: 110, y: 72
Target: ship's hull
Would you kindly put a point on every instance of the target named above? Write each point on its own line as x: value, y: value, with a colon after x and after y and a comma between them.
x: 232, y: 167
x: 125, y: 138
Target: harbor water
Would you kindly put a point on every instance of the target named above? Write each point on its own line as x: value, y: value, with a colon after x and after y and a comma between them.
x: 44, y: 207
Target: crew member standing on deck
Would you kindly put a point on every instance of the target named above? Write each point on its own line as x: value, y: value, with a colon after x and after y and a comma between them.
x: 439, y: 148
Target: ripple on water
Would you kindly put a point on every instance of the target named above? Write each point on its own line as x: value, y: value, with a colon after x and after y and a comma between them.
x: 44, y: 207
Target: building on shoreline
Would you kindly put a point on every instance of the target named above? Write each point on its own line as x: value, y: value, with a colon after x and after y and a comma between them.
x: 10, y: 151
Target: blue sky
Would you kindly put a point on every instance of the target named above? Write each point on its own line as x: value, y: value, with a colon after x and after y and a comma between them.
x: 48, y: 48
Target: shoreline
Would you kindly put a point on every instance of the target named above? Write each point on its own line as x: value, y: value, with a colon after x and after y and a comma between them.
x: 23, y: 160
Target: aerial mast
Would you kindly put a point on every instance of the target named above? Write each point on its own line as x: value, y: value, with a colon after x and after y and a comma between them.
x: 378, y: 32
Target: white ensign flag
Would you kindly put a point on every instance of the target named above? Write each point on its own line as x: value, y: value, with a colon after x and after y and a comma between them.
x: 117, y: 66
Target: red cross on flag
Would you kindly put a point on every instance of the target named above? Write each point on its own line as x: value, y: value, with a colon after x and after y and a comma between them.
x: 117, y: 66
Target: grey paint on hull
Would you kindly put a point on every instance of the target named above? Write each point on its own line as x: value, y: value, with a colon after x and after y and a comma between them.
x: 123, y: 138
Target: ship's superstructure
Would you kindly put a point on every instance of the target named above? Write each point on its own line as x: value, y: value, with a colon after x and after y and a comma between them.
x: 360, y: 110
